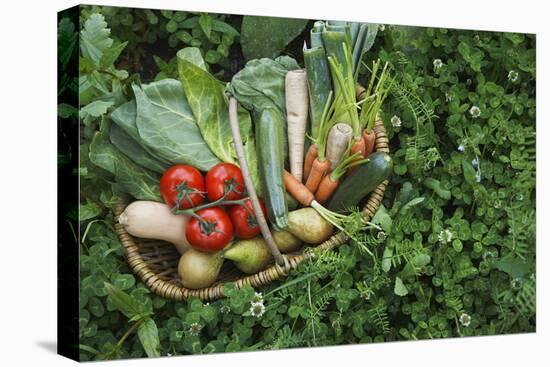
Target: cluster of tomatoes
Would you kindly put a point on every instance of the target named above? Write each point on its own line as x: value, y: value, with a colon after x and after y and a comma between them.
x: 217, y: 204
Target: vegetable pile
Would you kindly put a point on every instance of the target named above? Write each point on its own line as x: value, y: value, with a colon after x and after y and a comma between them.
x: 219, y: 221
x: 451, y: 252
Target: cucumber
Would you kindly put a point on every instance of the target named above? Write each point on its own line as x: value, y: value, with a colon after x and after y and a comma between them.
x: 361, y: 182
x: 270, y: 145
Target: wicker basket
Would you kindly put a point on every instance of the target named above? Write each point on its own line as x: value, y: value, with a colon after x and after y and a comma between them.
x: 156, y: 262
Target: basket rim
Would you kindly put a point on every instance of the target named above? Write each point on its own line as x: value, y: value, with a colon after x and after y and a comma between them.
x: 177, y: 292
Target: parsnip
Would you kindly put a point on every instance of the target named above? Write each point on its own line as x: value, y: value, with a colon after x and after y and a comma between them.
x: 296, y: 95
x: 337, y: 143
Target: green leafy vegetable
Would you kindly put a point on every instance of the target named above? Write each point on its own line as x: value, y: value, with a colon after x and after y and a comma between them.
x: 167, y: 126
x: 137, y: 181
x: 209, y: 104
x: 133, y: 150
x: 261, y: 85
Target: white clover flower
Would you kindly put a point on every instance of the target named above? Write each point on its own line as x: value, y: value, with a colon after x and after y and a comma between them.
x: 515, y: 283
x: 488, y: 255
x: 257, y: 309
x: 194, y: 329
x: 381, y: 27
x: 519, y: 197
x: 445, y: 236
x: 438, y: 64
x: 258, y: 297
x: 513, y: 76
x: 460, y: 148
x: 395, y: 121
x: 366, y: 294
x: 475, y: 111
x: 225, y: 309
x: 448, y: 97
x: 476, y: 38
x: 381, y: 236
x: 465, y: 319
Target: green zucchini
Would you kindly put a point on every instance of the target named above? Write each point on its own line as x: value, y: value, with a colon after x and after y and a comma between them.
x: 361, y: 182
x: 270, y: 145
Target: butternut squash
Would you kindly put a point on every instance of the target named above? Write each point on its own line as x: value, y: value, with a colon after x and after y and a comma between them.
x: 152, y: 220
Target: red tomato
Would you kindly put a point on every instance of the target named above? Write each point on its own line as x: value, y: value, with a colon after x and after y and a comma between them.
x: 182, y: 185
x: 222, y: 177
x: 244, y: 221
x: 212, y: 233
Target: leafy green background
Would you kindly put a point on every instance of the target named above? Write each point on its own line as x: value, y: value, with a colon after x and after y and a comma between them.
x: 456, y: 256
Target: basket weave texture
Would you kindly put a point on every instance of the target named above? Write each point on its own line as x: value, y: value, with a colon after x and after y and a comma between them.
x: 156, y: 262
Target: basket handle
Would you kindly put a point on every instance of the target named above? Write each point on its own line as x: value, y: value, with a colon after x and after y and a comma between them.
x: 264, y: 228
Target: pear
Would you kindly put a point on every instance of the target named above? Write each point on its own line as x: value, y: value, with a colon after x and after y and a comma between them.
x: 199, y: 269
x: 286, y: 241
x: 250, y: 256
x: 309, y: 226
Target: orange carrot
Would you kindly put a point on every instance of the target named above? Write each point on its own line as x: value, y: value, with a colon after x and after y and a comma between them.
x: 326, y: 188
x: 358, y: 146
x: 311, y: 155
x: 369, y: 139
x: 297, y: 189
x: 318, y: 170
